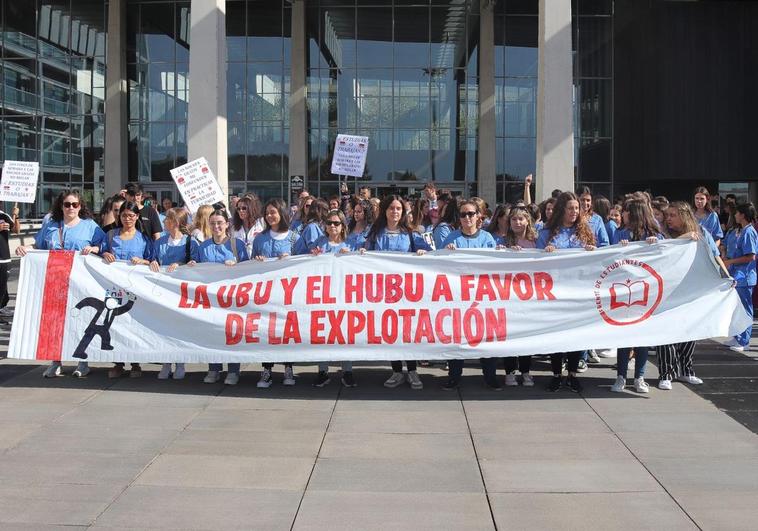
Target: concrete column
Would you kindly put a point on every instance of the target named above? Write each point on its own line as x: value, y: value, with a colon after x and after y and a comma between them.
x: 116, y: 126
x: 555, y: 127
x: 206, y: 129
x: 298, y: 150
x: 487, y: 149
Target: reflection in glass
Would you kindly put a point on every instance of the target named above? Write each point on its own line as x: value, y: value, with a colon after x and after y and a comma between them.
x: 595, y: 107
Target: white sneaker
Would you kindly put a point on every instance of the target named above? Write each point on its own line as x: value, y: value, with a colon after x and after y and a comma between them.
x: 664, y: 384
x: 694, y: 380
x: 527, y: 380
x: 179, y: 372
x: 737, y: 348
x: 396, y: 379
x: 641, y: 386
x: 53, y: 371
x: 606, y: 352
x: 82, y: 370
x: 165, y: 372
x: 619, y: 384
x: 289, y: 376
x: 593, y: 357
x: 211, y: 377
x: 414, y: 380
x: 232, y: 378
x: 510, y: 380
x: 265, y: 381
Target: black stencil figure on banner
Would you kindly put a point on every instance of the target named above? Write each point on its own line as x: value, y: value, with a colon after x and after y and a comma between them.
x: 105, y: 312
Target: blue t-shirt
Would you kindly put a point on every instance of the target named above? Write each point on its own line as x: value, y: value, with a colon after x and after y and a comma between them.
x: 565, y: 238
x: 440, y: 233
x: 711, y: 224
x: 75, y: 238
x: 167, y: 254
x: 269, y: 247
x: 331, y: 248
x: 740, y: 244
x: 356, y: 240
x: 397, y: 241
x: 625, y: 234
x: 481, y: 239
x: 307, y: 242
x: 598, y: 229
x: 140, y: 246
x: 210, y: 251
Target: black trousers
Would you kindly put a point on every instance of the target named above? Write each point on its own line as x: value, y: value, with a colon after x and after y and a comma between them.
x: 675, y: 360
x: 4, y: 298
x: 397, y: 366
x: 556, y: 361
x: 523, y: 363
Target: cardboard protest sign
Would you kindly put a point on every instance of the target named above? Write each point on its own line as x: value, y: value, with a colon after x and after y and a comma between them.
x: 349, y: 155
x: 197, y: 184
x: 19, y: 181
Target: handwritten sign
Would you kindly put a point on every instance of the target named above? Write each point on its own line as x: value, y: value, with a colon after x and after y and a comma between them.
x: 197, y: 184
x: 19, y: 181
x: 350, y: 155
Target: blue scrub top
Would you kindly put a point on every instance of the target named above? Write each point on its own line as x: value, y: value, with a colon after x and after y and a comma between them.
x: 331, y: 248
x: 266, y: 246
x: 440, y: 233
x: 711, y: 224
x: 140, y: 246
x: 167, y: 254
x: 740, y: 244
x: 75, y: 238
x: 565, y: 238
x: 610, y: 230
x: 210, y: 251
x: 598, y: 229
x: 625, y: 234
x: 308, y: 237
x: 397, y: 241
x: 356, y: 240
x: 481, y: 239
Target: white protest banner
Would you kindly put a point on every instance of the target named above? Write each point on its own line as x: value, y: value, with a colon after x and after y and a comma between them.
x: 349, y: 156
x: 197, y: 184
x: 19, y: 181
x: 377, y: 306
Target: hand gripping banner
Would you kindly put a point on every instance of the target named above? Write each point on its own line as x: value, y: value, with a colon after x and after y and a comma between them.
x: 377, y: 306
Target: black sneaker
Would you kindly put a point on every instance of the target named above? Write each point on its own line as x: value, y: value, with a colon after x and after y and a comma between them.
x: 450, y: 385
x: 555, y: 384
x: 574, y: 385
x: 491, y: 383
x: 322, y: 379
x: 348, y: 380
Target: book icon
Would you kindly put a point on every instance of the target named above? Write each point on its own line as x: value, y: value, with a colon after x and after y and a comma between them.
x: 628, y: 294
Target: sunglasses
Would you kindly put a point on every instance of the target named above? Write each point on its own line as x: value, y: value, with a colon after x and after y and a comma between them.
x: 469, y: 214
x: 242, y: 208
x: 334, y: 223
x: 74, y: 204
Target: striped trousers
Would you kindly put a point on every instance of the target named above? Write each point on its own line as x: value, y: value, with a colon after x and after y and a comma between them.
x: 675, y: 360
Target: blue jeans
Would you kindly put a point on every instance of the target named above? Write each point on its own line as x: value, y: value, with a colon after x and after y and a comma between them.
x: 746, y: 296
x: 640, y: 359
x: 233, y: 367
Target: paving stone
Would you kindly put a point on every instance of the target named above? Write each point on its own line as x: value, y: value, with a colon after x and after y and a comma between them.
x: 712, y: 509
x: 65, y: 505
x: 535, y: 422
x: 672, y: 422
x: 397, y: 446
x: 619, y: 511
x: 683, y: 445
x: 716, y: 474
x: 273, y: 473
x: 381, y: 511
x: 530, y: 445
x: 261, y: 420
x: 398, y: 422
x: 171, y: 507
x: 246, y: 443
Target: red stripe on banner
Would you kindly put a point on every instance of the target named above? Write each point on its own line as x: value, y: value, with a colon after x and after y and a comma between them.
x: 54, y: 303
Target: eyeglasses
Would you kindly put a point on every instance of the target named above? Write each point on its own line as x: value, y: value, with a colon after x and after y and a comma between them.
x: 469, y: 214
x: 129, y: 216
x: 242, y: 208
x: 334, y: 223
x: 72, y: 204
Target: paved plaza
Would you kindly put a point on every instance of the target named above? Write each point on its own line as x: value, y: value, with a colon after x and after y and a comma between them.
x: 148, y: 454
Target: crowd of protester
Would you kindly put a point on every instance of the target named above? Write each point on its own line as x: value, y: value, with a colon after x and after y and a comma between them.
x: 131, y: 228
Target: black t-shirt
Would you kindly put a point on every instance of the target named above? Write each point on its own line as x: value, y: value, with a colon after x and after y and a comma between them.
x: 5, y: 252
x: 151, y: 223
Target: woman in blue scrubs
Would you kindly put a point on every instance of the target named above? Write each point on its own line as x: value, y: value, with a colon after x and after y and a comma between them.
x: 705, y: 216
x: 741, y: 248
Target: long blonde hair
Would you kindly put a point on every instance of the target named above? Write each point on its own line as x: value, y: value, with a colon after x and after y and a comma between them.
x: 180, y: 217
x: 202, y: 220
x: 689, y: 223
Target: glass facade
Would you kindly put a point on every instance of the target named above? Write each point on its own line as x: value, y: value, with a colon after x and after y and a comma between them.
x: 157, y: 57
x: 258, y: 91
x: 405, y: 75
x: 516, y: 33
x: 52, y: 92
